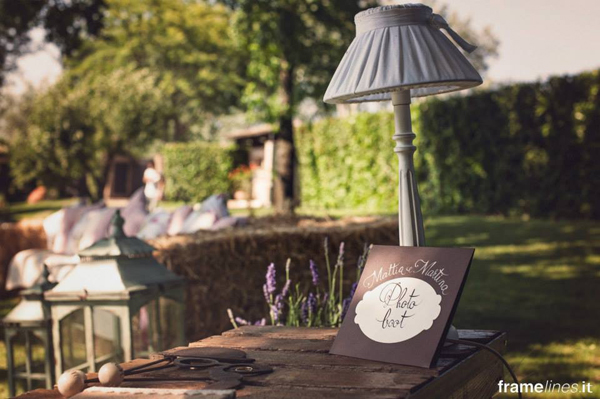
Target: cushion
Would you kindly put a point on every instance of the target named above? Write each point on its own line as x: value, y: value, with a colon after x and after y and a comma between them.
x: 92, y: 227
x: 70, y: 216
x: 177, y: 220
x: 155, y: 225
x: 228, y: 221
x: 216, y: 204
x: 134, y: 213
x: 198, y: 220
x: 25, y: 268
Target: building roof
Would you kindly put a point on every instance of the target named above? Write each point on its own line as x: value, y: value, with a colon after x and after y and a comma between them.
x: 253, y: 131
x: 256, y: 130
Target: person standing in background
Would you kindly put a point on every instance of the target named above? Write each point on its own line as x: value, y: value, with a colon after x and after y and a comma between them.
x: 153, y: 189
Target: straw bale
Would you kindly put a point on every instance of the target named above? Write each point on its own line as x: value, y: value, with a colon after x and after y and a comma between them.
x: 226, y: 269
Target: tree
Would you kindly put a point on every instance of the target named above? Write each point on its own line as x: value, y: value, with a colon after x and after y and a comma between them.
x: 295, y: 46
x: 76, y: 128
x: 67, y: 23
x: 187, y: 44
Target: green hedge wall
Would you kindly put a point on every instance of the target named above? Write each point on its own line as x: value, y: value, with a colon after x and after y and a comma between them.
x: 520, y: 149
x: 194, y: 171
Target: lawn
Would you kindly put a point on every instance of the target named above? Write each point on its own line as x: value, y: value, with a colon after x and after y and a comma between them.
x: 22, y: 210
x: 538, y: 280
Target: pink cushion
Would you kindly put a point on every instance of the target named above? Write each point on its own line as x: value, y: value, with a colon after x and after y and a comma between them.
x: 70, y: 216
x: 198, y: 220
x: 134, y: 213
x: 155, y: 225
x: 178, y: 219
x: 92, y: 227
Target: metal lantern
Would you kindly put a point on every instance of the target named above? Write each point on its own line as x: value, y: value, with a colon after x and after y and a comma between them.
x: 27, y: 329
x: 118, y: 303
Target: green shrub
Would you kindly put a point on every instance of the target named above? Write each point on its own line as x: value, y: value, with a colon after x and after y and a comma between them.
x: 194, y: 171
x: 520, y: 149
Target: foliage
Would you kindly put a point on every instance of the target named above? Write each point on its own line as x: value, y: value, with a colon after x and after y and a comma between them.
x: 302, y: 37
x: 187, y: 45
x: 314, y: 306
x: 76, y: 127
x: 196, y: 170
x: 66, y: 23
x: 520, y: 149
x: 294, y: 48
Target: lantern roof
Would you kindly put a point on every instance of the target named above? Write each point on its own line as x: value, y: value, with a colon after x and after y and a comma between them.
x: 117, y: 244
x: 114, y: 268
x: 31, y: 309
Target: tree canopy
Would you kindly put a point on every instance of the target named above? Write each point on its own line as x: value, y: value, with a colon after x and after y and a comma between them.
x: 67, y: 23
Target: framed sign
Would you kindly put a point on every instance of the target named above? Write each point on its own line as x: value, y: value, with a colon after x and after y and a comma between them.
x: 404, y: 304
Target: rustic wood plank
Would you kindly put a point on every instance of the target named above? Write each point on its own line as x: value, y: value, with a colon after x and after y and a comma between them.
x: 252, y: 392
x: 266, y: 344
x: 476, y: 373
x: 340, y: 379
x: 320, y: 361
x: 283, y: 332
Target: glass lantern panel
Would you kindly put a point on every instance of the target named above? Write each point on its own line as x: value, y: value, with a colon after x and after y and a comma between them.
x: 28, y: 359
x: 107, y: 337
x: 170, y: 322
x: 38, y: 354
x: 144, y: 327
x: 18, y: 350
x: 72, y: 333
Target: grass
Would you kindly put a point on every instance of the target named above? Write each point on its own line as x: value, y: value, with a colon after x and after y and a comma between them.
x: 22, y: 210
x: 538, y: 280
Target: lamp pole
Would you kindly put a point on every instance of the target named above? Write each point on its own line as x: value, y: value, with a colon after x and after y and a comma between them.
x: 410, y: 219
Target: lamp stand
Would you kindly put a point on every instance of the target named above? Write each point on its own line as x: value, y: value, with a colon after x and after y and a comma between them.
x: 410, y: 219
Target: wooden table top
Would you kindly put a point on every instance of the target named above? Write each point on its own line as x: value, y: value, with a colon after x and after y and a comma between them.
x: 304, y: 368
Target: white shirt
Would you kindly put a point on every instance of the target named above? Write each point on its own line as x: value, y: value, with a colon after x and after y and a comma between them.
x: 151, y: 177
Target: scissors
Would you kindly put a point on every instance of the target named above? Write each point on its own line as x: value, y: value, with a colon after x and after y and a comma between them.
x: 224, y: 368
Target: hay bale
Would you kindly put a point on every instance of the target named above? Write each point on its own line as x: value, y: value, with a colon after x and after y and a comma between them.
x: 226, y: 269
x: 16, y: 237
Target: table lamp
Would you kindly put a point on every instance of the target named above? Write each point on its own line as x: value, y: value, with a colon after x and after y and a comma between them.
x: 399, y: 52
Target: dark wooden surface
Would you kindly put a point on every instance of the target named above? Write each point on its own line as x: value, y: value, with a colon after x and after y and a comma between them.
x: 303, y: 368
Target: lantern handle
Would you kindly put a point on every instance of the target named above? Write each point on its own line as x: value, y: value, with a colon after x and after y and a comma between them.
x: 117, y: 223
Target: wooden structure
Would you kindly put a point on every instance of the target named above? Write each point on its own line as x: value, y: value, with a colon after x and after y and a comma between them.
x: 303, y: 368
x: 256, y: 146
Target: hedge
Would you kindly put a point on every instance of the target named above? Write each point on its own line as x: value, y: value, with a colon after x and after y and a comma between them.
x: 520, y: 149
x: 196, y: 170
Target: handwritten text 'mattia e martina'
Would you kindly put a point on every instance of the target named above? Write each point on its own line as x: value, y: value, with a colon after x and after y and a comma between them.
x: 424, y: 267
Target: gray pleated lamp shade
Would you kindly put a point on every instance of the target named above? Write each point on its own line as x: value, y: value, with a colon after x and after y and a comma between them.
x: 401, y: 47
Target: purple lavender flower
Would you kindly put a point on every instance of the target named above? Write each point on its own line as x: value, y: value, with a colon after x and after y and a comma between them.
x: 341, y: 253
x: 304, y: 311
x: 352, y: 290
x: 286, y: 289
x: 241, y: 321
x: 261, y: 322
x: 347, y: 300
x: 266, y: 293
x: 315, y: 273
x: 311, y: 302
x: 275, y: 314
x: 271, y: 283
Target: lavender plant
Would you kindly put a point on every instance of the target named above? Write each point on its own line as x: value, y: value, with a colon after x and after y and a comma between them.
x: 322, y: 304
